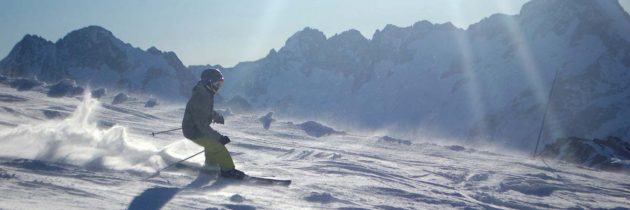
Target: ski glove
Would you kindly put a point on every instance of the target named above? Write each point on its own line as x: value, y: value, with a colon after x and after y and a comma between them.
x: 219, y: 119
x: 224, y: 140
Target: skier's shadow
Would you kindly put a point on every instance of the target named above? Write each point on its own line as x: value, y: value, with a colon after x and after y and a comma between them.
x: 157, y: 197
x: 153, y: 198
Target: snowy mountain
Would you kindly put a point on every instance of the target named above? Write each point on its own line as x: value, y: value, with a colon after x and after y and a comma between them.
x: 94, y: 56
x: 490, y: 82
x: 78, y: 153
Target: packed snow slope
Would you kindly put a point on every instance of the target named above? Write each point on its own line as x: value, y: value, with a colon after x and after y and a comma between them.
x: 79, y: 153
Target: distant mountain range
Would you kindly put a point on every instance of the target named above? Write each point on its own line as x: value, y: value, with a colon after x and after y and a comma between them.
x: 490, y: 82
x: 94, y: 56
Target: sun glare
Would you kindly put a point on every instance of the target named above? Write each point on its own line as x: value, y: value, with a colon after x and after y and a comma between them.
x: 268, y: 22
x: 540, y: 87
x: 466, y: 59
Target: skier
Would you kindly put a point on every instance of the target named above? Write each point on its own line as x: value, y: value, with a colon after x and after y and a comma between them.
x: 196, y: 124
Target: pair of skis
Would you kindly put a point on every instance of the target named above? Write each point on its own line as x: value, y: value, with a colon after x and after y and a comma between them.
x: 211, y: 180
x: 247, y: 178
x: 206, y: 176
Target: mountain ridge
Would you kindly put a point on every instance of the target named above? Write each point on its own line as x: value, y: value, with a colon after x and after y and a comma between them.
x: 489, y: 82
x: 94, y: 56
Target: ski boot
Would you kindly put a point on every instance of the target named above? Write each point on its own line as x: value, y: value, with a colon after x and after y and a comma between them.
x: 233, y: 174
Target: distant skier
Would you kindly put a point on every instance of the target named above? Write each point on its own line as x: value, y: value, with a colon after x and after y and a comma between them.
x: 196, y: 124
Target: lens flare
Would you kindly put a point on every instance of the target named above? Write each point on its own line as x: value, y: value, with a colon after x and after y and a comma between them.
x: 540, y: 86
x: 467, y: 66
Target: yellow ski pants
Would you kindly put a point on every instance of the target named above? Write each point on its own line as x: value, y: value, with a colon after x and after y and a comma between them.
x: 216, y: 153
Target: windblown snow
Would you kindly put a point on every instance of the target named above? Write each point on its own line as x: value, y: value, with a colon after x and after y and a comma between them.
x: 93, y: 155
x: 77, y: 140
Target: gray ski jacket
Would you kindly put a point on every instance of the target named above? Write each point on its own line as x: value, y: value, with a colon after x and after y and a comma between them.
x: 199, y: 114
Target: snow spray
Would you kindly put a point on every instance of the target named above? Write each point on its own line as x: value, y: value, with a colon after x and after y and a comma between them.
x: 77, y: 140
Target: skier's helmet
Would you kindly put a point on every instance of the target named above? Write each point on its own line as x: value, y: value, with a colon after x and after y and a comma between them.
x: 211, y: 75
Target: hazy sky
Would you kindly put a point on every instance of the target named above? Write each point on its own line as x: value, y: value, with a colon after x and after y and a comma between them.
x: 229, y: 31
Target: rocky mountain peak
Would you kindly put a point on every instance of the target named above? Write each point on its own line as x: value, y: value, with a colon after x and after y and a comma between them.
x: 309, y: 33
x: 173, y: 60
x: 28, y: 57
x: 306, y: 39
x: 92, y: 47
x: 93, y: 34
x: 170, y: 57
x: 31, y: 45
x: 422, y: 24
x: 562, y: 13
x: 561, y: 7
x: 34, y: 40
x: 388, y: 31
x: 154, y: 51
x: 392, y: 32
x: 351, y: 34
x: 351, y: 38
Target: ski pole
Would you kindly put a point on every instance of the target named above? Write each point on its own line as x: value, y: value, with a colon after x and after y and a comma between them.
x: 171, y: 165
x: 153, y: 133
